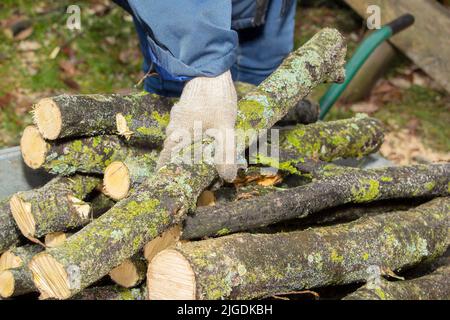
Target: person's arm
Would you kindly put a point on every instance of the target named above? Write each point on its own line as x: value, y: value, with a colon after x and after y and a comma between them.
x: 187, y: 38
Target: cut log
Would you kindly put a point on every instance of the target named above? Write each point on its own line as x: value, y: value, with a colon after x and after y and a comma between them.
x: 305, y: 112
x: 15, y: 277
x: 328, y: 141
x: 85, y: 115
x: 88, y: 155
x: 55, y: 239
x: 357, y: 186
x: 57, y: 206
x: 168, y: 239
x: 111, y: 293
x: 9, y: 233
x: 246, y: 266
x: 435, y: 286
x: 131, y: 272
x: 123, y: 176
x: 163, y: 201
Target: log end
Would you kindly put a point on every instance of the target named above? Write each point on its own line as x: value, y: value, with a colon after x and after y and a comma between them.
x: 21, y: 212
x: 9, y: 260
x: 117, y: 181
x: 122, y: 126
x: 126, y: 274
x: 55, y: 239
x: 166, y: 240
x: 33, y: 147
x: 47, y: 118
x: 50, y: 277
x: 170, y: 277
x: 6, y: 284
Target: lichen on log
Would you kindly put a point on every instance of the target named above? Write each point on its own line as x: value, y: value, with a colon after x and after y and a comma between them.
x: 121, y: 177
x: 327, y: 141
x: 246, y: 266
x: 57, y: 206
x: 163, y: 200
x: 356, y: 186
x: 435, y: 286
x: 9, y: 233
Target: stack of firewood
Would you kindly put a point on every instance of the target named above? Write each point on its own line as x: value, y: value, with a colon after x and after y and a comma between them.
x: 311, y: 224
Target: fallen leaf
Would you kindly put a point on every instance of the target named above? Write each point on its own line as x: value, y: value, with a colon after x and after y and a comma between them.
x: 365, y: 107
x: 67, y: 67
x: 71, y: 83
x: 24, y: 34
x: 28, y: 46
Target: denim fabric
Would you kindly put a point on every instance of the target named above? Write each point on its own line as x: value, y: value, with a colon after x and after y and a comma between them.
x: 182, y: 39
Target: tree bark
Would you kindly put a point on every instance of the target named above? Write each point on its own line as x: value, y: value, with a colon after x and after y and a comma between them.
x: 9, y: 233
x: 246, y: 266
x: 435, y: 286
x: 57, y: 206
x: 356, y: 186
x: 87, y: 115
x: 163, y: 201
x: 16, y: 277
x: 87, y: 155
x: 111, y: 293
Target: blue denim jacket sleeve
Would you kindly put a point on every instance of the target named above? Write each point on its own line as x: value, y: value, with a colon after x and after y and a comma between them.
x: 186, y: 38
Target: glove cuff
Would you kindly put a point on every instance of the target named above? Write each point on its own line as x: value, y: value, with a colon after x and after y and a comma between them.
x: 201, y: 87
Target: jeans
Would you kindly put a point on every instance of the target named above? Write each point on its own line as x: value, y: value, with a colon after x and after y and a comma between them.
x: 182, y: 39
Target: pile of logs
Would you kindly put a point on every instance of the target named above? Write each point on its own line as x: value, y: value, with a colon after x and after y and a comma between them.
x: 181, y: 233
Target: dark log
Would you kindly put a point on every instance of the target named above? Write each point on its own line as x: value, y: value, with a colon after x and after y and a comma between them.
x: 435, y: 286
x: 9, y: 233
x: 246, y: 266
x: 357, y: 186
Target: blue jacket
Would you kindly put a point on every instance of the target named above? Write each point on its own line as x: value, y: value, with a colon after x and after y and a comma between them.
x: 181, y: 39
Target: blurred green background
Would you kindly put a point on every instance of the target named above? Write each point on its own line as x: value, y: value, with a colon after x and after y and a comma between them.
x: 47, y: 59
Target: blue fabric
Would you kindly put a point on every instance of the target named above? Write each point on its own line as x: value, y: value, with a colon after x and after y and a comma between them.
x: 182, y: 39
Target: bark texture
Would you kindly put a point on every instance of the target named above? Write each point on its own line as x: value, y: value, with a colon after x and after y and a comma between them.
x: 163, y: 201
x: 246, y: 266
x: 435, y: 286
x: 89, y: 115
x: 111, y: 293
x: 356, y: 186
x: 23, y: 281
x: 58, y: 205
x: 9, y: 233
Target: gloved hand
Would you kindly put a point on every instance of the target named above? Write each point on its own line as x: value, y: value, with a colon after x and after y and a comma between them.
x: 211, y: 102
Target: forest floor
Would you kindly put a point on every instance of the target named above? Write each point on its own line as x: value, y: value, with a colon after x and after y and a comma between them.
x: 48, y: 59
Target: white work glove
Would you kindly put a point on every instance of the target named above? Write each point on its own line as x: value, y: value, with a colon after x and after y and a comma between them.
x: 212, y: 103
